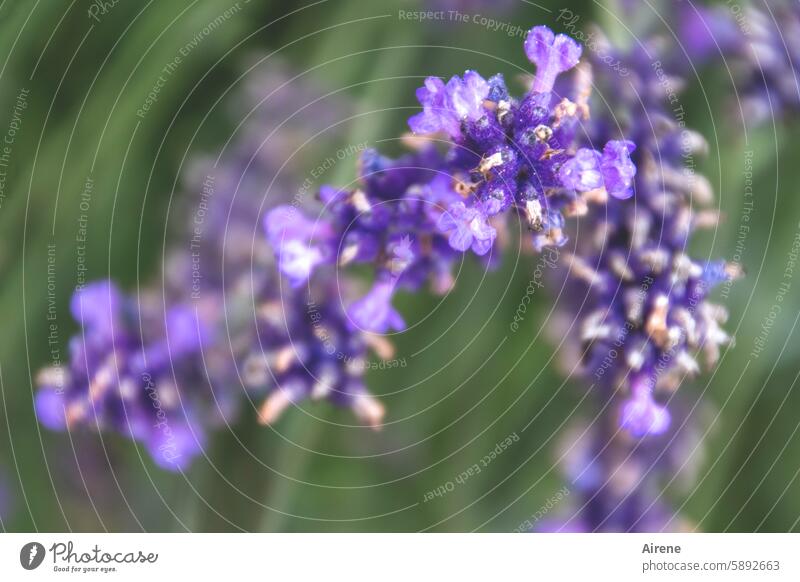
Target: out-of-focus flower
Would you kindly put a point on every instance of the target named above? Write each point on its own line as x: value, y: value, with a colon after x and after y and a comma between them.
x: 134, y: 369
x: 638, y: 302
x: 617, y: 484
x: 761, y: 46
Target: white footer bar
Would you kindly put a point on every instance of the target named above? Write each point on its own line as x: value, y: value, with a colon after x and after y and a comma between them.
x: 401, y: 557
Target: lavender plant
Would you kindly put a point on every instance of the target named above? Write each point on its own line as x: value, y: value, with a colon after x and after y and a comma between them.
x: 481, y: 159
x: 409, y: 219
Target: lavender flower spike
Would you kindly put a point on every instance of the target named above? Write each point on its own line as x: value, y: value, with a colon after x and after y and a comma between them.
x: 642, y: 302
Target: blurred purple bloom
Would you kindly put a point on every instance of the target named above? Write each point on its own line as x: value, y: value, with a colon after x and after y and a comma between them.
x: 295, y: 240
x: 121, y: 375
x: 374, y: 311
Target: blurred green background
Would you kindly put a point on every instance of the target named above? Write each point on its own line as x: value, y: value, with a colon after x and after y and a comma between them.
x: 86, y: 81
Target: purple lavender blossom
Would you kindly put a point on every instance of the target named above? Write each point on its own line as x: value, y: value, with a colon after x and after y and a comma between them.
x: 307, y: 348
x: 467, y: 229
x: 299, y: 242
x: 583, y: 171
x: 640, y: 414
x: 374, y: 311
x: 446, y: 107
x: 618, y: 486
x: 165, y: 368
x: 706, y: 32
x: 646, y: 298
x: 618, y: 169
x: 612, y: 170
x: 552, y: 54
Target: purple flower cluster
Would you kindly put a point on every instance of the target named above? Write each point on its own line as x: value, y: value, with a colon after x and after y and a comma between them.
x: 772, y: 62
x: 163, y: 372
x: 167, y: 366
x: 305, y: 348
x: 411, y: 218
x: 646, y: 315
